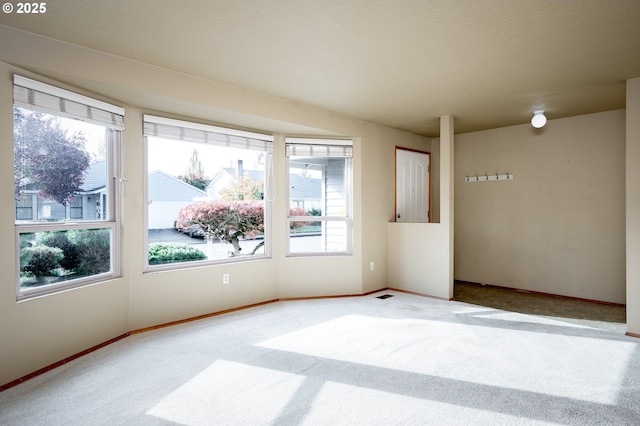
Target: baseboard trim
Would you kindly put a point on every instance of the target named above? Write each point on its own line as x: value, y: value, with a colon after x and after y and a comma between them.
x: 632, y: 334
x: 199, y: 317
x: 418, y: 294
x: 61, y: 362
x: 541, y: 293
x: 337, y: 296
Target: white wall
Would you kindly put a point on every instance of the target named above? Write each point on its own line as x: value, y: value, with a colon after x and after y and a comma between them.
x: 39, y: 332
x: 633, y: 205
x: 163, y: 214
x: 378, y: 195
x: 558, y: 227
x: 420, y: 255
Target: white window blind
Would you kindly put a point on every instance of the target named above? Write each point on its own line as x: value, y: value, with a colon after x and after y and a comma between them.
x: 319, y: 147
x: 167, y: 128
x: 53, y: 100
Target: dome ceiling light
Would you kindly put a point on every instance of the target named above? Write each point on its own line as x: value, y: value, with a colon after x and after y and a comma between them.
x: 538, y: 120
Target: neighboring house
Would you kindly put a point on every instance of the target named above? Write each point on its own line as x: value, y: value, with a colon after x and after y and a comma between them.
x: 305, y: 192
x: 167, y: 195
x: 224, y: 178
x: 89, y: 203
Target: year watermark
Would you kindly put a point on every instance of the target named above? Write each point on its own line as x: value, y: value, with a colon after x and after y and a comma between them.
x: 25, y: 8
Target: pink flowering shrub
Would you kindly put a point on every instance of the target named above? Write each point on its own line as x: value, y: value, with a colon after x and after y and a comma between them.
x: 297, y: 211
x: 227, y: 221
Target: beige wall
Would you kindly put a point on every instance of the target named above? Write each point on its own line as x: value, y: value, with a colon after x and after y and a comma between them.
x: 559, y: 226
x: 633, y: 205
x: 38, y: 332
x: 420, y: 255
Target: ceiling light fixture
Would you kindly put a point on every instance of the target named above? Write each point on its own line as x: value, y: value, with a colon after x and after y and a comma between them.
x: 538, y: 120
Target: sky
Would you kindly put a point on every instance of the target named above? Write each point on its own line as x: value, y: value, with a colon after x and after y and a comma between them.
x: 173, y: 157
x: 95, y: 135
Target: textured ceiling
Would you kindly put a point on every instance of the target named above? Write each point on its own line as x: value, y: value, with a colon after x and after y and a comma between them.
x: 400, y: 63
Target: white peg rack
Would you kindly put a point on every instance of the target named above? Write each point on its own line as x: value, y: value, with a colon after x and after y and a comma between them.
x: 487, y: 178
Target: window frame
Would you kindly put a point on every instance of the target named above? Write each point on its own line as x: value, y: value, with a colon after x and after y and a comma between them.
x: 310, y: 144
x: 87, y: 109
x: 151, y: 120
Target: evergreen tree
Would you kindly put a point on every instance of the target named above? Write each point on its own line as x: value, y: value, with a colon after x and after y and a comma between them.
x: 195, y: 173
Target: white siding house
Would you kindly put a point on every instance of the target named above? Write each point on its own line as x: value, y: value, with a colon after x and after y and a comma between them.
x: 89, y: 202
x: 225, y: 177
x: 167, y: 195
x: 305, y: 191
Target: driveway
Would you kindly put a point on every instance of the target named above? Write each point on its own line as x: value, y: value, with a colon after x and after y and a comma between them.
x: 299, y: 244
x: 171, y: 236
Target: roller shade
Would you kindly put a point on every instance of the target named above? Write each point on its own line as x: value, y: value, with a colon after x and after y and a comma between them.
x: 319, y: 147
x: 167, y: 128
x: 53, y: 100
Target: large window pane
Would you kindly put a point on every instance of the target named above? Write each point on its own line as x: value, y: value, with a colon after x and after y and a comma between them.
x: 60, y: 168
x: 205, y: 197
x: 65, y: 171
x: 319, y: 192
x: 50, y: 257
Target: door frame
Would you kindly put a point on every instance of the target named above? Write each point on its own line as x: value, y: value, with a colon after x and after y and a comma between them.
x: 395, y: 179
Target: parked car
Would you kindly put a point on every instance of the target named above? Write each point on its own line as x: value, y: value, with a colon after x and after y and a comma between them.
x: 194, y: 231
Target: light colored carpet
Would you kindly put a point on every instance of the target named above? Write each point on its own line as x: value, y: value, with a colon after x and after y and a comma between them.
x: 347, y: 361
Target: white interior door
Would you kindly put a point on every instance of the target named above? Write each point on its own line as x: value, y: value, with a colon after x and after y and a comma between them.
x: 412, y: 186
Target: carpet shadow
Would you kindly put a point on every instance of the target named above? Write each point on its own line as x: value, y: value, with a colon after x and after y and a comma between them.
x: 510, y: 401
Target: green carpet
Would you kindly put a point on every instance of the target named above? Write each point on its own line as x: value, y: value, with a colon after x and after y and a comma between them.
x: 538, y: 304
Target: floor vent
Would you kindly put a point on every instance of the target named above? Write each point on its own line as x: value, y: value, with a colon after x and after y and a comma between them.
x: 384, y: 296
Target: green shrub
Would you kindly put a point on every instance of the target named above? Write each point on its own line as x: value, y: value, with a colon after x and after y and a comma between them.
x: 26, y: 240
x: 94, y: 250
x: 60, y: 239
x: 160, y: 253
x: 40, y: 261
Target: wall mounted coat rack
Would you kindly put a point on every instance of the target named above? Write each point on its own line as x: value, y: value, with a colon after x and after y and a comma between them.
x: 487, y: 177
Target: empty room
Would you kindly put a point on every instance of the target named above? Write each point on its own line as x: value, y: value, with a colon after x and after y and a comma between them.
x: 265, y: 212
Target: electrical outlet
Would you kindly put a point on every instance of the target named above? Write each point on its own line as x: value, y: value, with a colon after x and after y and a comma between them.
x: 225, y: 278
x: 372, y: 265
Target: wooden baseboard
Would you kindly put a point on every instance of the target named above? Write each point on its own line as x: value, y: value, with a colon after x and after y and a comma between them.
x: 199, y: 317
x: 418, y: 294
x: 337, y: 296
x: 632, y: 334
x: 61, y: 362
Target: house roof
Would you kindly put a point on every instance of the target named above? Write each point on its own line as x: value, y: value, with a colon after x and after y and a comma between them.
x: 164, y: 187
x: 300, y: 188
x: 252, y: 174
x: 488, y: 63
x: 230, y: 172
x: 95, y: 176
